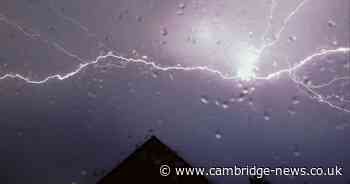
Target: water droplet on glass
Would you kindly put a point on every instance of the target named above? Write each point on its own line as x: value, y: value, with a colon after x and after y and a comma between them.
x: 267, y: 116
x: 192, y: 40
x: 83, y: 172
x: 331, y: 24
x: 225, y: 105
x: 250, y: 34
x: 291, y: 111
x: 241, y: 97
x: 341, y: 127
x: 99, y: 172
x: 180, y: 12
x: 218, y: 135
x: 204, y: 99
x: 139, y: 18
x: 217, y: 102
x: 155, y: 74
x: 171, y: 76
x: 245, y: 91
x: 296, y: 151
x: 295, y: 100
x: 160, y: 122
x: 335, y: 43
x: 250, y: 101
x: 92, y: 94
x: 307, y: 81
x: 150, y: 131
x: 164, y: 31
x: 182, y: 6
x: 292, y: 38
x: 19, y: 134
x: 297, y: 154
x: 275, y: 63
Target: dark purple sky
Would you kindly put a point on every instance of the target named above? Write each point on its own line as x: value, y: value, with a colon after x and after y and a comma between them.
x: 63, y: 131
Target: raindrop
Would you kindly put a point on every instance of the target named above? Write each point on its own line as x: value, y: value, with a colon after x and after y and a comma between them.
x: 52, y: 101
x: 274, y: 64
x: 241, y: 97
x: 307, y: 82
x: 292, y: 38
x: 19, y: 133
x: 160, y: 122
x: 218, y: 135
x: 335, y: 43
x: 92, y: 94
x: 180, y: 12
x: 331, y: 24
x: 99, y: 172
x: 163, y: 42
x: 250, y: 34
x: 267, y: 116
x: 132, y: 90
x: 296, y: 151
x: 52, y: 28
x: 276, y: 157
x: 134, y: 52
x: 155, y: 74
x: 341, y: 127
x: 83, y: 172
x: 250, y: 101
x: 232, y: 100
x: 204, y: 99
x: 225, y: 105
x: 122, y: 15
x: 295, y: 100
x: 139, y: 18
x: 291, y: 111
x: 252, y: 89
x: 164, y: 31
x: 192, y: 40
x: 182, y: 6
x: 245, y: 91
x: 171, y: 76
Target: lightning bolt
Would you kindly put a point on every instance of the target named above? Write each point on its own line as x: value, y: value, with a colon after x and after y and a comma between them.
x: 122, y: 61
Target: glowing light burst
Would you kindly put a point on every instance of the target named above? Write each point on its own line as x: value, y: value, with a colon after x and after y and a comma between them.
x: 247, y: 58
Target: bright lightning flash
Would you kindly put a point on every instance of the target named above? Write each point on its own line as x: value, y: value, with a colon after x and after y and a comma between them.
x: 247, y: 64
x: 247, y: 58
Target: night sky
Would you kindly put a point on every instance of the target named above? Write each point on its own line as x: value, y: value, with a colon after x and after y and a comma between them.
x: 222, y: 82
